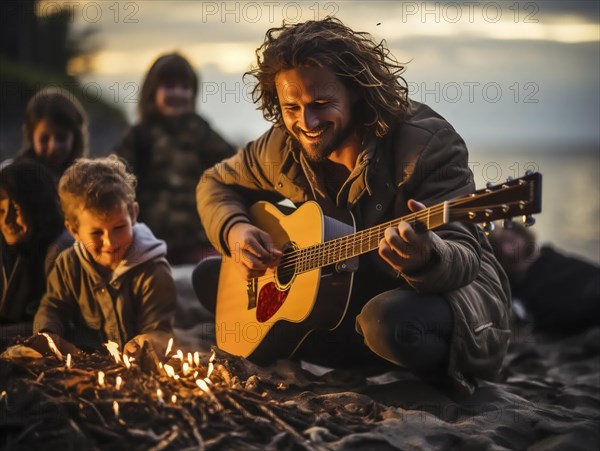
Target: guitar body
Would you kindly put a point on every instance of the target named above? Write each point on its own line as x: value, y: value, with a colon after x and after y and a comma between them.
x: 268, y: 317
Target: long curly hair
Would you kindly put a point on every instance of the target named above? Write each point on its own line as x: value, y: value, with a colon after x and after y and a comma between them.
x: 366, y: 67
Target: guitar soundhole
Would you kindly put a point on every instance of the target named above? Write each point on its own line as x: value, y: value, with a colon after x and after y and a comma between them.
x: 270, y: 300
x: 287, y: 268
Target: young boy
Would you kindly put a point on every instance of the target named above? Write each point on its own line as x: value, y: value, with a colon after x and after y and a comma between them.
x: 115, y: 282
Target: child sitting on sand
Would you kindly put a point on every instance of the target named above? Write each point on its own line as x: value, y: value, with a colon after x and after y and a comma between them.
x: 168, y: 150
x: 115, y: 282
x: 32, y: 233
x: 558, y: 293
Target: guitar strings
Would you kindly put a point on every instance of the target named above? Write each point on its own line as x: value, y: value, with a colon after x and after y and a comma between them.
x: 318, y: 255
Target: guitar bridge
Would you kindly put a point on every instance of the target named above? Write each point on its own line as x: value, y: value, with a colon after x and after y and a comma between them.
x: 251, y: 288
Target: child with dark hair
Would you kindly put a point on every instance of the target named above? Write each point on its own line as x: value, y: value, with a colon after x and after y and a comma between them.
x: 115, y: 282
x: 168, y: 150
x: 558, y: 293
x: 55, y: 131
x: 32, y: 235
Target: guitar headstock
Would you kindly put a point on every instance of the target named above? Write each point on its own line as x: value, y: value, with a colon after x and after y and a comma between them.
x: 516, y: 197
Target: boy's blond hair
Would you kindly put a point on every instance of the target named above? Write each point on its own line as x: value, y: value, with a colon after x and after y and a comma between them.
x: 98, y: 185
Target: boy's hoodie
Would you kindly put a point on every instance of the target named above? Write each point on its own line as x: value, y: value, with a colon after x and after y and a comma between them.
x: 87, y: 309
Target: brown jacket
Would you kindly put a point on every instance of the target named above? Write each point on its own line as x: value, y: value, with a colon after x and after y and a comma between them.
x: 422, y: 158
x: 138, y: 298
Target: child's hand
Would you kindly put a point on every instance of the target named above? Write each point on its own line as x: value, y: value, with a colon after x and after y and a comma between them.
x: 147, y: 349
x: 39, y: 342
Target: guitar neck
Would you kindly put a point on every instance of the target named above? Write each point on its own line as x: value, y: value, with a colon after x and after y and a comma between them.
x: 516, y: 197
x: 344, y: 248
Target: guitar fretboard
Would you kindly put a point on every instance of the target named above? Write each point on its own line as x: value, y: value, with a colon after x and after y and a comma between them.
x: 344, y: 248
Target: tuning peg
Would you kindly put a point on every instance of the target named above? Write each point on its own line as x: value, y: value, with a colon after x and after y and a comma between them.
x: 528, y: 172
x: 508, y: 224
x: 489, y: 185
x: 488, y: 227
x: 509, y: 179
x: 528, y: 220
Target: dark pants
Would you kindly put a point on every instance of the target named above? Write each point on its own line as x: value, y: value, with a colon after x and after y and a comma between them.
x: 396, y: 325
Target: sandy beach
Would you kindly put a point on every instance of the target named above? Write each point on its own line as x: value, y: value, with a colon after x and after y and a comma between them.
x: 547, y: 397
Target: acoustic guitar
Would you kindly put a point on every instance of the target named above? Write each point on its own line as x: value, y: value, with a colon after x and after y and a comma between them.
x: 268, y: 317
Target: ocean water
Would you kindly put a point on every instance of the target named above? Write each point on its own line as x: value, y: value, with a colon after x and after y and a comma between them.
x: 570, y: 218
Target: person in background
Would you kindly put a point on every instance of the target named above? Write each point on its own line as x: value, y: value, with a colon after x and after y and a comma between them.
x: 346, y: 135
x: 55, y: 131
x: 114, y: 283
x: 32, y: 235
x: 169, y: 149
x: 558, y: 293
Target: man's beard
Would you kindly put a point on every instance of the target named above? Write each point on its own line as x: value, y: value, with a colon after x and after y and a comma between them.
x: 319, y: 153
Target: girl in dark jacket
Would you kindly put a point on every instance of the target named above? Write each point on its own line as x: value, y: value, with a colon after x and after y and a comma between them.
x: 32, y: 235
x: 168, y: 150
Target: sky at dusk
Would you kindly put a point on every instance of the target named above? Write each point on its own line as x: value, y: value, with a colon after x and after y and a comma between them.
x: 505, y: 73
x: 520, y: 81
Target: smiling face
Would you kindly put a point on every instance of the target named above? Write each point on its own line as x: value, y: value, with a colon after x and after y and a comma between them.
x: 317, y: 110
x: 174, y: 99
x: 106, y: 236
x: 52, y: 143
x: 13, y: 226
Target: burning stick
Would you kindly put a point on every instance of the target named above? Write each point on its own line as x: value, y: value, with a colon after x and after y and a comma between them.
x: 169, y: 346
x: 52, y: 346
x: 101, y: 378
x: 169, y: 370
x: 159, y: 396
x: 113, y: 348
x: 126, y: 361
x: 211, y: 366
x: 204, y: 387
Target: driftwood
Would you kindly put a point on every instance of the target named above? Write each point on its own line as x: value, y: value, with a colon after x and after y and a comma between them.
x: 208, y: 405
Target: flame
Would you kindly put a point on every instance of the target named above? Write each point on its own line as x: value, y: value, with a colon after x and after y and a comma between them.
x: 169, y: 370
x: 169, y: 346
x: 211, y: 366
x: 119, y: 382
x: 52, y: 346
x: 186, y: 368
x: 159, y: 395
x: 113, y: 348
x: 190, y: 359
x: 101, y: 378
x: 126, y: 361
x: 179, y: 355
x: 195, y: 374
x: 197, y: 358
x: 203, y: 386
x: 69, y: 361
x: 173, y: 399
x: 116, y: 409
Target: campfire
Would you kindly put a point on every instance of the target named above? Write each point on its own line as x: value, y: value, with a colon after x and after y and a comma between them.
x: 183, y: 400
